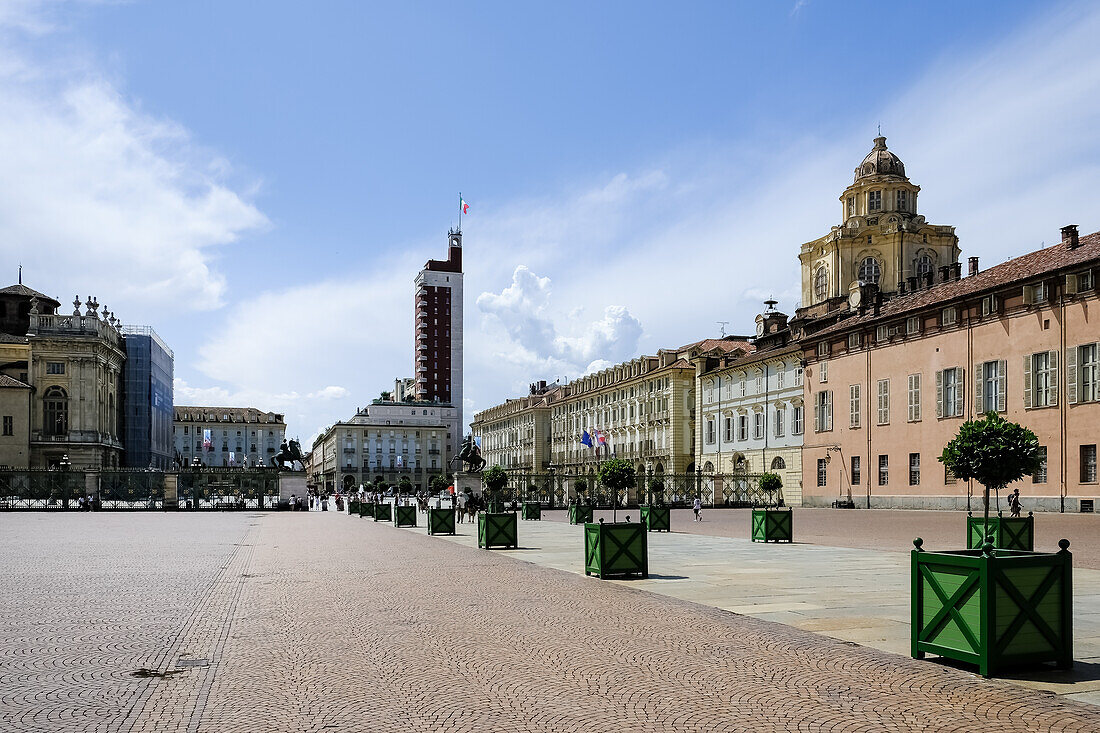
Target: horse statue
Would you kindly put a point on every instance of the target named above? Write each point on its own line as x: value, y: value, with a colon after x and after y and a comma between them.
x: 470, y: 455
x: 288, y: 454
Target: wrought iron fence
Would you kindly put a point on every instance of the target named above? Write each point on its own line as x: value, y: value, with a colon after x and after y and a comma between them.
x: 555, y: 489
x: 228, y: 488
x: 41, y: 489
x: 135, y: 489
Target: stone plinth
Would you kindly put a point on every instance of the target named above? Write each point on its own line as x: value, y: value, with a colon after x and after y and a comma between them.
x: 471, y: 481
x: 291, y: 483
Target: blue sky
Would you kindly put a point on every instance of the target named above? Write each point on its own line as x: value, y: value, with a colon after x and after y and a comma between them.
x: 636, y: 171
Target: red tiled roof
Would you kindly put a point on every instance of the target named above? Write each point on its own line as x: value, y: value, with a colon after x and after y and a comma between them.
x: 1020, y: 269
x: 6, y: 381
x: 725, y: 345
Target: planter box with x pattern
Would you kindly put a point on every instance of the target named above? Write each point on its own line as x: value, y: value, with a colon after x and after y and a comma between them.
x: 772, y: 525
x: 995, y: 609
x: 441, y: 521
x: 532, y: 510
x: 366, y: 509
x: 497, y: 530
x: 580, y: 514
x: 404, y: 516
x: 657, y: 518
x: 353, y: 507
x: 616, y: 548
x: 1009, y: 533
x: 383, y: 512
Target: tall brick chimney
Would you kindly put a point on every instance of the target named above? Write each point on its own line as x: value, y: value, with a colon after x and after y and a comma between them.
x: 1069, y: 236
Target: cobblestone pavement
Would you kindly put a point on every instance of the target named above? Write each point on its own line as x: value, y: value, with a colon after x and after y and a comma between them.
x: 319, y: 621
x: 887, y: 529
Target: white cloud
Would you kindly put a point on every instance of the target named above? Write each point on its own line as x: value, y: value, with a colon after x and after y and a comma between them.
x: 524, y: 310
x: 127, y: 201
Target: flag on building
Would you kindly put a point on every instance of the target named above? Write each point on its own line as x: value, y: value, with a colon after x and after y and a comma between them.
x: 207, y: 441
x: 586, y: 439
x: 400, y: 462
x: 463, y: 205
x: 232, y: 458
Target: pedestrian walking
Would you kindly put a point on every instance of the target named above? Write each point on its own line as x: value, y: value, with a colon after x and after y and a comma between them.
x: 1014, y: 503
x: 697, y: 507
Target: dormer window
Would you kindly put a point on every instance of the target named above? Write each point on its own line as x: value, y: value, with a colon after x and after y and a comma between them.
x: 874, y: 200
x: 869, y: 271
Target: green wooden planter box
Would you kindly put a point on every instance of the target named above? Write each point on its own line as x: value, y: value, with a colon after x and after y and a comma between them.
x: 580, y: 514
x: 383, y: 512
x: 1009, y: 533
x: 772, y: 525
x: 532, y: 510
x: 366, y: 509
x: 995, y: 609
x: 441, y: 521
x: 616, y: 548
x: 404, y: 516
x: 497, y: 529
x: 353, y: 507
x: 657, y: 518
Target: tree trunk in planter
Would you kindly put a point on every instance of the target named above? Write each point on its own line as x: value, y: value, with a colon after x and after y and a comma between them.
x: 1006, y: 533
x: 993, y: 608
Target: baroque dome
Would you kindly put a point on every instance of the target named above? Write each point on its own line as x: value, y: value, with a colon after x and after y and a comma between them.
x: 880, y: 161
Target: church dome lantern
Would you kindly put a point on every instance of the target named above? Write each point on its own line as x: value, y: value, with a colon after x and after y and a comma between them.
x: 880, y: 162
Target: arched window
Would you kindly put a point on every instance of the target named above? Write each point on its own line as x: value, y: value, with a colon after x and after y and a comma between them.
x: 708, y: 467
x: 660, y: 469
x: 869, y: 271
x: 778, y: 463
x: 55, y: 411
x: 923, y: 265
x: 821, y: 283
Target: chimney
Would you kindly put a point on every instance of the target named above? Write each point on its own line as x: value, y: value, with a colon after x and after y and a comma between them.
x: 972, y: 270
x: 914, y: 283
x: 929, y: 278
x: 1069, y: 236
x: 956, y: 270
x: 901, y: 287
x: 945, y: 273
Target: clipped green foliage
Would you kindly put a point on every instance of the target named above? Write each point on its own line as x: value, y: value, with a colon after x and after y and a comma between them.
x: 496, y: 478
x: 580, y: 485
x: 770, y: 482
x: 617, y: 474
x: 405, y: 485
x: 992, y: 451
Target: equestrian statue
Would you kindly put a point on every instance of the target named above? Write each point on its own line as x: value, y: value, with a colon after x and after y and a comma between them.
x: 470, y: 455
x: 287, y: 456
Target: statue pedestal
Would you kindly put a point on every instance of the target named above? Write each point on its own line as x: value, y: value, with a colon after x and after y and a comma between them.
x: 471, y: 481
x: 291, y: 483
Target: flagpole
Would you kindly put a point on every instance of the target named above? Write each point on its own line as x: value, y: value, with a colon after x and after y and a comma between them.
x: 460, y: 211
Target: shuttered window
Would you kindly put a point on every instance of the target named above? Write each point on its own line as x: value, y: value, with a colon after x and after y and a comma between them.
x: 883, y: 401
x: 853, y: 406
x: 949, y: 392
x: 989, y: 387
x: 1041, y: 379
x: 914, y: 398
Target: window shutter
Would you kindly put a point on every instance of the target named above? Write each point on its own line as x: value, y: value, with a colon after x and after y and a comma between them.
x: 1029, y: 294
x: 817, y: 416
x: 1071, y: 284
x: 939, y: 394
x: 1027, y: 381
x: 1071, y: 374
x: 1002, y: 378
x: 829, y: 410
x: 979, y: 384
x: 960, y: 391
x: 1053, y: 377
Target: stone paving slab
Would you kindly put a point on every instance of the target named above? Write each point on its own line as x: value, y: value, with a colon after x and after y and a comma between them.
x: 322, y: 622
x: 855, y: 595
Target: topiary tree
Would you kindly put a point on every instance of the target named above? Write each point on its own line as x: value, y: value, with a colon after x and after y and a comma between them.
x: 404, y: 486
x: 580, y: 486
x: 617, y: 475
x: 770, y: 482
x: 495, y: 479
x: 657, y: 488
x: 994, y: 452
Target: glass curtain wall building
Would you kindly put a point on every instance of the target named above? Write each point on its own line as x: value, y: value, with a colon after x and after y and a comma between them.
x: 148, y: 409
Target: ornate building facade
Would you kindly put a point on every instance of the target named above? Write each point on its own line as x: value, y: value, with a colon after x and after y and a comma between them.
x: 387, y: 439
x: 516, y: 434
x: 881, y: 240
x: 751, y: 408
x: 891, y: 382
x: 72, y: 365
x: 226, y: 436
